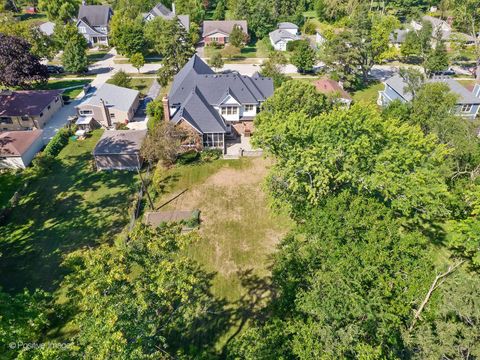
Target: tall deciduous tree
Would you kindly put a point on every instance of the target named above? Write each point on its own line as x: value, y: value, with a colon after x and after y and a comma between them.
x: 163, y: 143
x: 127, y: 34
x: 74, y: 56
x: 303, y: 57
x: 237, y: 37
x: 171, y: 40
x: 18, y: 67
x: 61, y: 10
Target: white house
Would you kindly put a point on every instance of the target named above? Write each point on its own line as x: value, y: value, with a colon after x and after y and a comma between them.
x: 18, y: 148
x: 284, y: 33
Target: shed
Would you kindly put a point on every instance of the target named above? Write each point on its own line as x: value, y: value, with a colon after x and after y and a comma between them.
x: 119, y: 150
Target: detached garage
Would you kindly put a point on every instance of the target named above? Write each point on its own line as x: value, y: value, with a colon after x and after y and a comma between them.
x: 119, y: 150
x: 18, y: 148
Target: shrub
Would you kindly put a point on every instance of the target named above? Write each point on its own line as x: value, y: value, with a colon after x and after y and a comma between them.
x: 155, y: 113
x: 208, y: 155
x: 309, y: 28
x: 58, y: 142
x: 121, y: 126
x: 292, y: 45
x: 194, y: 220
x: 188, y: 157
x: 121, y: 79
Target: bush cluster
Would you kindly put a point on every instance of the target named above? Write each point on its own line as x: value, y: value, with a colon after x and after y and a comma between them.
x: 58, y: 142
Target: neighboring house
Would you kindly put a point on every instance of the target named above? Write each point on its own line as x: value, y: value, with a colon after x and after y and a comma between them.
x: 28, y: 109
x: 18, y: 148
x: 333, y: 89
x: 218, y: 31
x: 285, y: 33
x: 119, y: 150
x: 397, y: 37
x: 110, y: 104
x: 444, y: 27
x: 165, y: 13
x: 47, y: 28
x: 214, y: 106
x: 468, y: 102
x: 93, y: 23
x: 319, y: 39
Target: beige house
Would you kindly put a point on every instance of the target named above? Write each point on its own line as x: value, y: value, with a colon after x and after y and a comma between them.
x: 29, y: 109
x: 18, y: 148
x: 110, y: 104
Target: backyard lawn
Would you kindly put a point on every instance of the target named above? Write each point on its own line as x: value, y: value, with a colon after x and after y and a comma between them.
x: 9, y: 183
x: 71, y: 207
x: 142, y: 84
x: 369, y: 94
x: 260, y: 49
x: 238, y: 231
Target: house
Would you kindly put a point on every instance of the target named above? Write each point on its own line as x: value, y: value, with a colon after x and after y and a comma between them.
x: 468, y: 102
x: 119, y: 150
x: 319, y: 39
x: 110, y: 104
x: 284, y: 33
x: 214, y: 106
x: 437, y: 25
x: 47, y: 28
x: 398, y: 36
x: 218, y: 31
x: 333, y: 89
x: 18, y: 148
x: 165, y: 13
x: 28, y: 109
x: 93, y: 23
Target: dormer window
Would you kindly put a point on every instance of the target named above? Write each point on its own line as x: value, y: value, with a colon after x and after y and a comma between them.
x: 229, y: 110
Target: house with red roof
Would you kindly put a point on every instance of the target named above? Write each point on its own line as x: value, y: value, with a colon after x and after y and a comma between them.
x: 18, y: 148
x: 334, y: 90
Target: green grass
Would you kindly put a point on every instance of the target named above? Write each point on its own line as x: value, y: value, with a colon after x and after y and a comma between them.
x: 369, y: 94
x: 96, y: 56
x: 238, y: 230
x: 65, y: 83
x: 142, y: 85
x: 71, y: 207
x: 10, y: 181
x: 33, y: 19
x: 260, y: 49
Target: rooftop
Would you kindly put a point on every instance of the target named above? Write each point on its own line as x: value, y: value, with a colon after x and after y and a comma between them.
x: 287, y: 25
x: 26, y: 102
x: 465, y: 97
x: 95, y: 15
x: 279, y: 34
x: 120, y: 142
x: 115, y: 96
x: 16, y: 143
x: 328, y: 86
x: 223, y: 26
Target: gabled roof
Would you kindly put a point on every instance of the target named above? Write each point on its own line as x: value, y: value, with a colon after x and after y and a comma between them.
x: 278, y: 35
x: 165, y: 13
x: 287, y: 25
x: 328, y: 86
x: 26, y: 102
x: 224, y: 26
x: 120, y: 142
x: 95, y: 15
x: 115, y: 96
x: 465, y: 97
x: 196, y: 90
x: 398, y: 36
x: 16, y: 143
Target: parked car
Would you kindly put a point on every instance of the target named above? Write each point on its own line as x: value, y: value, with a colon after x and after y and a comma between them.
x: 53, y: 69
x: 448, y: 72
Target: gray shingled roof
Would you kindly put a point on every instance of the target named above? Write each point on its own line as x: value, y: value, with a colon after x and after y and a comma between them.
x: 223, y: 26
x: 118, y: 97
x: 278, y: 35
x: 95, y: 15
x: 287, y: 25
x: 166, y: 14
x: 196, y: 89
x: 114, y: 142
x: 466, y: 97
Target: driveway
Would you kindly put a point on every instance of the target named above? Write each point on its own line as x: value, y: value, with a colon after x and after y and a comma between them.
x: 58, y: 120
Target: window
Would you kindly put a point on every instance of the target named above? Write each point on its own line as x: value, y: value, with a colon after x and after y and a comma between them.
x: 86, y: 112
x: 112, y: 116
x: 82, y: 30
x: 249, y: 107
x: 25, y: 118
x: 41, y: 114
x: 6, y: 120
x: 229, y: 110
x: 466, y: 108
x: 213, y: 140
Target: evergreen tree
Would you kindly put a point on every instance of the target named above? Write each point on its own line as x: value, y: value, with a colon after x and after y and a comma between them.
x: 74, y: 58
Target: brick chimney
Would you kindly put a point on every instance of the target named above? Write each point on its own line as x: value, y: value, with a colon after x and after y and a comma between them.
x: 166, y: 108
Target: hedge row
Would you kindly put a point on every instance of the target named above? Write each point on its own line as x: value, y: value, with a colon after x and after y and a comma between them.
x: 58, y: 142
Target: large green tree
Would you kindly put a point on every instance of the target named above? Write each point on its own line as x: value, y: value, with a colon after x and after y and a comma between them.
x: 61, y: 10
x: 74, y: 58
x: 356, y: 149
x: 346, y: 283
x: 127, y: 34
x: 303, y: 57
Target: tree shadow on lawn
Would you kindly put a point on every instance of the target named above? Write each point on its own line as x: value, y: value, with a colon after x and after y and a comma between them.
x: 69, y: 208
